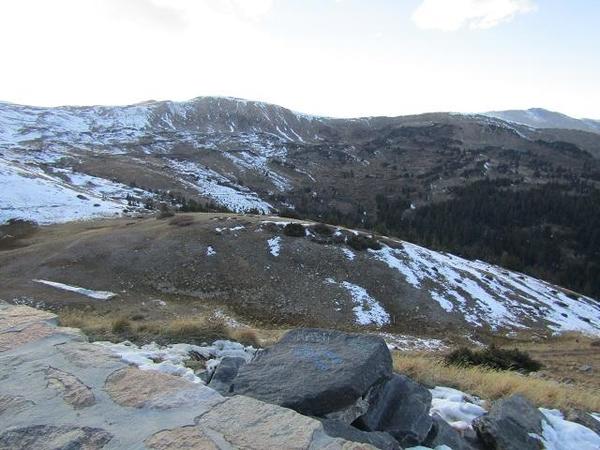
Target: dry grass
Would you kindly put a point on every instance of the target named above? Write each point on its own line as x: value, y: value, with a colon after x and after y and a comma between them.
x: 195, y: 330
x: 491, y: 385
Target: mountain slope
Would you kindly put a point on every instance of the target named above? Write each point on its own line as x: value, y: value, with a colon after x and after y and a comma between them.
x: 542, y: 118
x: 249, y: 267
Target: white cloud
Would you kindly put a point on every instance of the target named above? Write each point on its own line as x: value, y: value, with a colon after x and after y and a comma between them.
x: 451, y: 15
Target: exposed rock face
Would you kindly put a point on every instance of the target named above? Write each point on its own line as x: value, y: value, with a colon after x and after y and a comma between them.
x: 316, y: 372
x: 225, y: 373
x: 510, y: 425
x: 73, y: 391
x: 400, y: 407
x: 44, y: 437
x: 147, y: 389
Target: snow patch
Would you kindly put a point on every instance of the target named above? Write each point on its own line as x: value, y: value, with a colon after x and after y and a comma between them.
x: 171, y: 359
x: 98, y: 295
x: 561, y: 434
x: 274, y: 245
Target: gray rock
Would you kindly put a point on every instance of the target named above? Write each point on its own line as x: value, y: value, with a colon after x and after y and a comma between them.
x: 510, y: 424
x: 44, y: 437
x: 225, y: 373
x: 443, y: 434
x: 401, y: 407
x: 585, y: 419
x: 316, y: 372
x: 379, y: 439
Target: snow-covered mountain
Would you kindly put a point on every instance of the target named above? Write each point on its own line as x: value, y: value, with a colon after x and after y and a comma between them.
x: 542, y: 118
x: 246, y: 156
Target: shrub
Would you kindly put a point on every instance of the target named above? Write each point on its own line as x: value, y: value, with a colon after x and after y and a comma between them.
x: 289, y: 213
x: 209, y: 329
x: 15, y: 229
x: 121, y: 326
x: 493, y: 358
x: 294, y: 229
x: 246, y: 336
x: 322, y: 229
x: 181, y: 221
x: 164, y: 212
x: 361, y: 242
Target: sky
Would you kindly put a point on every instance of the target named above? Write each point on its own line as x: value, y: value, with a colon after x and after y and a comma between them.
x: 340, y: 58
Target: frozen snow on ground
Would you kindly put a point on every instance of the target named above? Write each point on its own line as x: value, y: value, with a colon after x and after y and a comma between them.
x: 236, y: 228
x: 274, y: 245
x: 98, y: 295
x: 349, y: 254
x: 218, y: 188
x: 171, y: 359
x: 367, y: 310
x: 455, y: 407
x: 460, y: 409
x: 210, y: 251
x: 560, y: 434
x: 29, y: 193
x: 411, y: 343
x: 484, y: 293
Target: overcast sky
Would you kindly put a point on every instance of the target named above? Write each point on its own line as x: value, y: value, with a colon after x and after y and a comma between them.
x: 330, y: 57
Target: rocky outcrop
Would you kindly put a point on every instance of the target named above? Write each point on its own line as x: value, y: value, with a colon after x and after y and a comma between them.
x: 60, y: 392
x: 512, y: 424
x: 316, y: 372
x: 400, y: 407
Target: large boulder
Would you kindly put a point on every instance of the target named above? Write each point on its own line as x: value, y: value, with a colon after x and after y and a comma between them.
x: 512, y: 424
x: 401, y: 407
x: 316, y: 372
x: 379, y: 439
x: 443, y: 434
x: 225, y: 372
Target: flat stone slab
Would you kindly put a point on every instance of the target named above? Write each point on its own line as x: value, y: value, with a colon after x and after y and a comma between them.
x: 44, y: 437
x: 73, y: 391
x: 149, y: 389
x: 246, y: 423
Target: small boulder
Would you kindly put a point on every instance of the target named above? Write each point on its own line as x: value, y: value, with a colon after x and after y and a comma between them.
x: 316, y: 372
x: 443, y: 434
x: 379, y: 439
x: 512, y: 424
x: 225, y: 372
x: 401, y: 407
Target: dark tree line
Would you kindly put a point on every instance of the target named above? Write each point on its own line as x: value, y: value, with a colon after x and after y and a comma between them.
x: 551, y: 231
